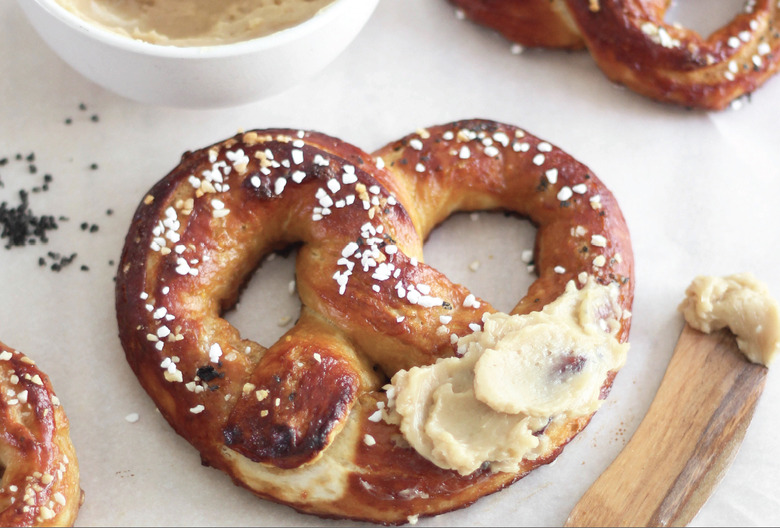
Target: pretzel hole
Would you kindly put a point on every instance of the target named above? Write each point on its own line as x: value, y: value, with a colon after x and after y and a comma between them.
x: 477, y: 249
x: 267, y: 304
x: 703, y: 16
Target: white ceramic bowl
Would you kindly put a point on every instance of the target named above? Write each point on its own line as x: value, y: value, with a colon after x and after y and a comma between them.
x: 200, y: 77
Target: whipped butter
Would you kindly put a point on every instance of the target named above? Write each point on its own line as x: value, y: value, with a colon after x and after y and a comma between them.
x: 511, y: 379
x: 741, y: 303
x: 194, y: 22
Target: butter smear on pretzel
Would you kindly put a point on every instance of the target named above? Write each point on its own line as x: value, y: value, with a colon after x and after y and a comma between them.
x: 741, y: 303
x: 513, y: 377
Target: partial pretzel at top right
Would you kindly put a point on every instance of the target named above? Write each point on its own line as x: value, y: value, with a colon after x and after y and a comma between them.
x: 633, y: 46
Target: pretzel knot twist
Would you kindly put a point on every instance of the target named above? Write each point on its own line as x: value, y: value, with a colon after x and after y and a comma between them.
x: 634, y: 46
x: 40, y: 472
x: 292, y: 422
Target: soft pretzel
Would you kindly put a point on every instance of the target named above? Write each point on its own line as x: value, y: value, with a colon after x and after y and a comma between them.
x: 632, y: 44
x: 40, y: 481
x: 295, y: 422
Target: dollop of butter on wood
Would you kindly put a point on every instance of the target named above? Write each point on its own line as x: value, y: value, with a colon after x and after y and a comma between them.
x: 740, y: 303
x: 513, y: 378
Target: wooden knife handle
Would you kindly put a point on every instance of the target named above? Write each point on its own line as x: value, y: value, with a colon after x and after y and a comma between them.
x: 686, y: 441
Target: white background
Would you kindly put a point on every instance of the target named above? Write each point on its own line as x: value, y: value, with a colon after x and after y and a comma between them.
x: 699, y: 191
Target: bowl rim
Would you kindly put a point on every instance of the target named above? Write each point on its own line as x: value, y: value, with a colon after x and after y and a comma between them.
x: 273, y: 40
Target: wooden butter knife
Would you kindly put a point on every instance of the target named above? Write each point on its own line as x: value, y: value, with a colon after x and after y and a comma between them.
x: 686, y: 441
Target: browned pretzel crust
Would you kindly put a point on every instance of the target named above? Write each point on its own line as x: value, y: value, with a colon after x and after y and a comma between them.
x: 290, y: 421
x: 40, y: 479
x: 632, y: 44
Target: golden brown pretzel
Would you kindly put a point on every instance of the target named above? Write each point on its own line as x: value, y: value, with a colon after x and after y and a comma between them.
x: 290, y: 421
x: 40, y: 479
x: 632, y: 44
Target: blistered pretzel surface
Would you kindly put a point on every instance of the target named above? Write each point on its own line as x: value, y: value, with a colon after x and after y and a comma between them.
x: 634, y: 45
x: 296, y: 421
x: 40, y: 479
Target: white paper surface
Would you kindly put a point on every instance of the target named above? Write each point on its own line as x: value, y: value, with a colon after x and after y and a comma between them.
x: 699, y: 191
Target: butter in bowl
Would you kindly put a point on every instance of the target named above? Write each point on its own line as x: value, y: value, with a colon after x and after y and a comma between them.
x: 198, y: 53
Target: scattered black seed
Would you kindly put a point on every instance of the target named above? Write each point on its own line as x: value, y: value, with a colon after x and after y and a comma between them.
x: 95, y: 118
x: 60, y: 261
x: 84, y: 226
x: 84, y: 267
x: 93, y: 228
x: 208, y: 373
x: 3, y: 162
x: 82, y: 107
x: 93, y: 166
x: 20, y: 225
x: 68, y: 121
x: 111, y: 263
x: 109, y: 212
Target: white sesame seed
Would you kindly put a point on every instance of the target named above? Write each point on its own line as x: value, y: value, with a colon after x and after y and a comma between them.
x: 279, y: 185
x: 538, y: 160
x: 559, y: 269
x: 197, y: 409
x: 349, y: 249
x: 400, y: 319
x: 599, y: 261
x: 464, y: 153
x: 416, y: 144
x: 580, y: 188
x: 544, y: 147
x: 516, y: 49
x: 132, y: 417
x: 598, y: 240
x: 764, y: 48
x: 521, y: 147
x: 502, y: 138
x: 297, y: 156
x: 419, y: 167
x: 552, y: 175
x: 491, y: 151
x: 565, y: 193
x: 215, y: 352
x: 474, y: 327
x: 369, y: 440
x: 733, y: 42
